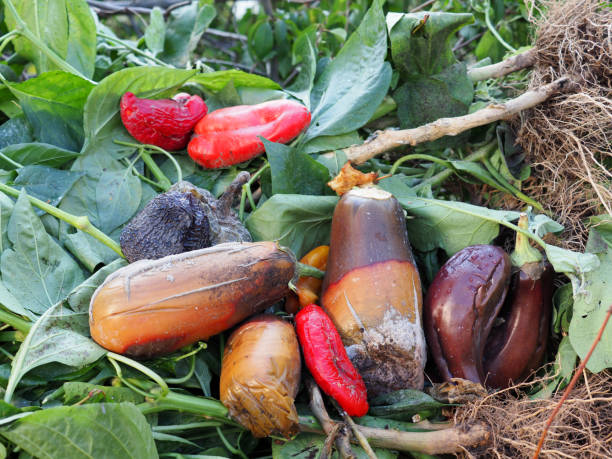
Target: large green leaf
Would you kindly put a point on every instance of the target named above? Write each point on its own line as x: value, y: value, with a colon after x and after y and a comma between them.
x: 75, y: 391
x: 53, y: 104
x: 117, y: 197
x: 61, y: 334
x: 299, y: 222
x: 592, y: 299
x: 36, y: 270
x: 183, y: 31
x: 42, y: 154
x: 216, y: 81
x: 423, y: 99
x: 421, y: 49
x: 155, y: 32
x: 46, y: 183
x: 448, y: 225
x: 352, y: 86
x: 303, y: 53
x: 105, y: 430
x: 14, y: 131
x: 66, y: 26
x: 294, y: 172
x: 102, y: 122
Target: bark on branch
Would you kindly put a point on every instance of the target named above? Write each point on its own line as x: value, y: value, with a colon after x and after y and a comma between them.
x: 512, y: 64
x: 390, y: 139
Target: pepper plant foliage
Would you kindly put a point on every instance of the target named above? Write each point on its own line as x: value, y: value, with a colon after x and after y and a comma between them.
x: 355, y: 64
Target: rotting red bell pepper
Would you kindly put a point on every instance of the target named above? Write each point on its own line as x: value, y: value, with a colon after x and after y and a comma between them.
x: 328, y: 361
x: 230, y: 135
x: 166, y: 123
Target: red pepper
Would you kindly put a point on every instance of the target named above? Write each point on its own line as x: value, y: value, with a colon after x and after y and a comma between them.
x: 230, y: 135
x: 166, y: 123
x: 328, y: 361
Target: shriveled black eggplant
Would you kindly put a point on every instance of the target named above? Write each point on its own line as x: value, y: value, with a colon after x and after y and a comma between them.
x: 182, y: 219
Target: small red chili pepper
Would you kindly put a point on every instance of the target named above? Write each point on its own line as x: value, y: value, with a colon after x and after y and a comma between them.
x: 166, y: 123
x: 230, y: 135
x: 328, y: 361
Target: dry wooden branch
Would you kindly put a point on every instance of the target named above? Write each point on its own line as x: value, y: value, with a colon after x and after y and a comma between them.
x: 390, y: 139
x: 330, y: 427
x: 512, y: 64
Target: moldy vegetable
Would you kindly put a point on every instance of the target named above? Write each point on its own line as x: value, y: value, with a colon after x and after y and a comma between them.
x: 484, y: 323
x: 182, y: 219
x: 328, y: 362
x: 154, y: 307
x: 166, y: 123
x: 230, y: 135
x: 260, y: 376
x: 372, y: 291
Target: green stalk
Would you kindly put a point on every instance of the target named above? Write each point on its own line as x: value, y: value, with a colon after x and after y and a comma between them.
x: 310, y: 271
x: 140, y: 367
x: 15, y: 321
x: 152, y: 165
x: 189, y: 403
x: 508, y: 187
x: 246, y: 191
x: 82, y: 223
x: 440, y: 177
x: 187, y: 377
x: 134, y: 49
x: 433, y: 159
x: 22, y: 29
x: 163, y: 181
x: 523, y: 252
x: 494, y: 31
x: 227, y: 444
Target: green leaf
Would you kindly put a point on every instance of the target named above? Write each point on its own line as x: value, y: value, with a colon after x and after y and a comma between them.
x: 402, y: 405
x: 600, y: 234
x: 448, y: 225
x: 299, y: 222
x: 353, y: 85
x: 426, y: 98
x: 66, y: 26
x: 332, y: 142
x: 6, y: 209
x: 261, y: 39
x: 42, y: 154
x: 79, y: 298
x: 53, y: 104
x: 591, y: 303
x: 509, y: 159
x: 59, y: 335
x: 574, y: 264
x: 37, y: 271
x: 563, y: 302
x: 184, y: 30
x: 294, y: 172
x: 216, y: 81
x: 303, y: 53
x: 14, y: 131
x: 81, y: 37
x: 102, y: 122
x: 428, y: 50
x: 83, y: 432
x: 75, y: 391
x: 46, y: 183
x: 155, y: 32
x: 117, y: 197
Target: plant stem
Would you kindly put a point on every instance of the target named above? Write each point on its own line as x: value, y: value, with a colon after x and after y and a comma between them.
x: 134, y: 49
x: 305, y: 270
x: 82, y: 223
x: 494, y: 31
x: 163, y: 181
x: 433, y: 159
x: 15, y: 321
x: 246, y: 191
x: 189, y: 403
x: 508, y: 187
x: 440, y: 177
x: 143, y: 369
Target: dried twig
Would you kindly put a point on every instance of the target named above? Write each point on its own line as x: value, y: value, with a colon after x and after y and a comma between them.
x: 572, y: 383
x: 329, y: 426
x: 390, y: 139
x: 512, y: 64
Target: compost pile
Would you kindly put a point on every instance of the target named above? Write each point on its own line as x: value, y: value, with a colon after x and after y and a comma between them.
x: 306, y: 229
x: 567, y: 138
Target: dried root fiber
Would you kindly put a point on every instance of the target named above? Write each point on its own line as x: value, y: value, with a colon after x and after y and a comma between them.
x: 581, y: 429
x: 568, y: 139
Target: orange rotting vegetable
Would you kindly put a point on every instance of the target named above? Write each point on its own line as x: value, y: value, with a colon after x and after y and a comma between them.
x: 260, y: 376
x: 308, y: 288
